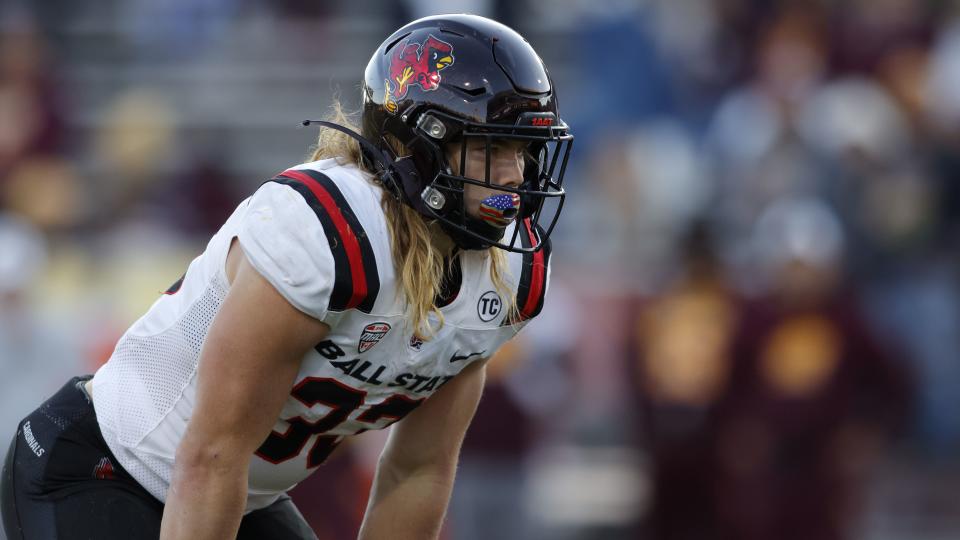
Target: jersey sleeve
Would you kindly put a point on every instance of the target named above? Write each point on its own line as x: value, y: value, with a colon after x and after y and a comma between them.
x: 301, y: 235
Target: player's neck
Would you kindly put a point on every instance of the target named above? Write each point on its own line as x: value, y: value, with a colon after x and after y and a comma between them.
x: 442, y: 241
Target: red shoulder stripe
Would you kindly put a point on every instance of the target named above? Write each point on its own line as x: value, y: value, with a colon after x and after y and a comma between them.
x: 350, y: 243
x: 538, y: 276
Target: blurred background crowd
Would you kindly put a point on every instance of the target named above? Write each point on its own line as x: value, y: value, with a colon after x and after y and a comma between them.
x: 752, y: 327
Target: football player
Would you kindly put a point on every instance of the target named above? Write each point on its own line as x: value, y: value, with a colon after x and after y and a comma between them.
x: 365, y: 288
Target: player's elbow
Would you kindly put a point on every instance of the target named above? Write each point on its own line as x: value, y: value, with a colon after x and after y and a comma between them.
x: 432, y: 478
x: 399, y: 465
x: 209, y: 459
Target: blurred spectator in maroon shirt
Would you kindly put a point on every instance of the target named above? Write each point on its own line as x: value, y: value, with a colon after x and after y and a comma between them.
x: 812, y: 394
x: 682, y: 366
x: 32, y: 120
x: 764, y: 418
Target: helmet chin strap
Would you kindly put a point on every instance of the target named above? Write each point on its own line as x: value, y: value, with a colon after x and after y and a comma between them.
x: 478, y: 226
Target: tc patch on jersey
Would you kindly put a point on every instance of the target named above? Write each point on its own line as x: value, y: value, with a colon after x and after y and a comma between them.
x: 372, y: 334
x: 489, y: 306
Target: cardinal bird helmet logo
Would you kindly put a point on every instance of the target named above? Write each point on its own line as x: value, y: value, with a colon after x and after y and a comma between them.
x: 416, y: 64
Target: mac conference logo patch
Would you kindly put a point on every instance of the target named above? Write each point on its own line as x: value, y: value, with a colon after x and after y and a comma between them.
x: 371, y: 335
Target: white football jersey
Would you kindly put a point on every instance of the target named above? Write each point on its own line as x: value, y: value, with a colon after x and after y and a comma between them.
x: 318, y: 234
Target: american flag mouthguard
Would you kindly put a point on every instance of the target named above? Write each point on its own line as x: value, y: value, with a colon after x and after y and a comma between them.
x: 501, y: 209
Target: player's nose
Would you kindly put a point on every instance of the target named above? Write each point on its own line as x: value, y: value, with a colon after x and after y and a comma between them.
x: 509, y: 175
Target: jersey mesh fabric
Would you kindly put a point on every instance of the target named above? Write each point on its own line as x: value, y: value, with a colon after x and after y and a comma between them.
x: 155, y: 368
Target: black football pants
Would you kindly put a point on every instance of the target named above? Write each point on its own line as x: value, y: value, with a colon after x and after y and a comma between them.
x: 60, y: 481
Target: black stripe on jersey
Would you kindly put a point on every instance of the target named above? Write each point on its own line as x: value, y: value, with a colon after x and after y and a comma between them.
x: 176, y: 286
x: 343, y: 288
x: 527, y: 275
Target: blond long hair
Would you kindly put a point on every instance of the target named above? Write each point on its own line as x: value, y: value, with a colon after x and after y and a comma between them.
x: 417, y: 260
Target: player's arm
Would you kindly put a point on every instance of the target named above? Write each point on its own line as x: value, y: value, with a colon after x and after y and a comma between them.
x: 416, y: 471
x: 249, y: 361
